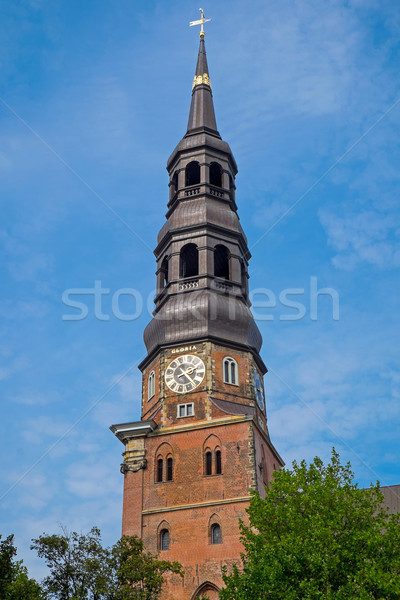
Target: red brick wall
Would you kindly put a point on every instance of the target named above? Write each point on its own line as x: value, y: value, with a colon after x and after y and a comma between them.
x: 188, y: 504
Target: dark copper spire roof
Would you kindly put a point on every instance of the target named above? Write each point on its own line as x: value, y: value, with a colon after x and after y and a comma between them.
x: 202, y: 115
x: 196, y: 299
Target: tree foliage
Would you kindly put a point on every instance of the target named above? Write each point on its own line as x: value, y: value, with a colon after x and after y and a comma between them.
x: 82, y: 569
x: 14, y: 581
x: 318, y: 536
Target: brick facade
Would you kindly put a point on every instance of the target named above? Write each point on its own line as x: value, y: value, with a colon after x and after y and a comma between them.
x: 193, y: 501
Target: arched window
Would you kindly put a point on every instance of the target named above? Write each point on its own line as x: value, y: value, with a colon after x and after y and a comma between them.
x: 215, y: 174
x: 208, y: 463
x: 231, y: 187
x: 160, y: 470
x: 164, y: 463
x: 216, y: 534
x: 221, y: 261
x: 151, y: 385
x: 164, y: 539
x: 230, y: 371
x: 164, y: 271
x: 192, y: 173
x: 244, y: 279
x: 218, y: 462
x: 170, y: 468
x: 189, y: 261
x: 174, y: 183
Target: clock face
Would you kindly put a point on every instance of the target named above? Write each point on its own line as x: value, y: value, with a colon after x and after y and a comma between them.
x: 185, y: 373
x: 258, y: 389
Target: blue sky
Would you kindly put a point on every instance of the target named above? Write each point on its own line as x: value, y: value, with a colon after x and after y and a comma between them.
x: 94, y: 97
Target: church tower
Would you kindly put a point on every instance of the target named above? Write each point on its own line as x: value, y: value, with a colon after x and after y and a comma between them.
x: 202, y: 442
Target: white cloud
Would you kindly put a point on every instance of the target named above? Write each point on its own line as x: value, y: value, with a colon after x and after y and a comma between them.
x: 363, y: 236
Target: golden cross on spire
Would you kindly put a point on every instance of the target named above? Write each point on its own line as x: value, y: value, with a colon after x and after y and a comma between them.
x: 200, y: 22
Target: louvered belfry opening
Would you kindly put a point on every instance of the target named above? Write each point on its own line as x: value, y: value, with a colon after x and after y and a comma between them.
x: 189, y: 266
x: 221, y: 261
x: 215, y: 174
x: 192, y: 173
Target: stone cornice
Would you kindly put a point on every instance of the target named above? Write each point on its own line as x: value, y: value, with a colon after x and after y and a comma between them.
x: 125, y: 431
x: 197, y: 505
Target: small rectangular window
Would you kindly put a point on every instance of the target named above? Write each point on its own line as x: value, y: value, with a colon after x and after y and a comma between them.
x: 185, y: 410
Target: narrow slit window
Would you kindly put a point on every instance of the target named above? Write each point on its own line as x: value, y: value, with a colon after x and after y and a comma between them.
x: 216, y: 534
x: 208, y: 459
x: 170, y: 469
x: 164, y: 539
x: 218, y: 462
x: 151, y: 385
x: 160, y: 469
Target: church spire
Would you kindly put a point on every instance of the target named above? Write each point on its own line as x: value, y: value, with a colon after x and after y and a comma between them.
x: 202, y: 254
x: 202, y: 115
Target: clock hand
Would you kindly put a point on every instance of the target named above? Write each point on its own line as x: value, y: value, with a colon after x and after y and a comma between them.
x: 190, y: 379
x: 186, y: 374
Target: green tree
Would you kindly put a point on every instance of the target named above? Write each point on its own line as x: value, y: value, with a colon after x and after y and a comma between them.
x: 14, y: 581
x: 82, y: 569
x: 318, y: 536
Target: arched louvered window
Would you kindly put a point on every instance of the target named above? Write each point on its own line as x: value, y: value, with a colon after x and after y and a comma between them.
x: 215, y: 174
x: 218, y: 462
x: 160, y: 470
x: 170, y: 468
x: 221, y: 261
x: 208, y: 463
x: 230, y: 371
x: 151, y: 385
x: 192, y: 173
x: 216, y: 534
x: 164, y: 539
x: 189, y: 266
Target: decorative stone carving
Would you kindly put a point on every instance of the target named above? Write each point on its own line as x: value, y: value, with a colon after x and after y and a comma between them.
x: 133, y: 467
x: 134, y: 456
